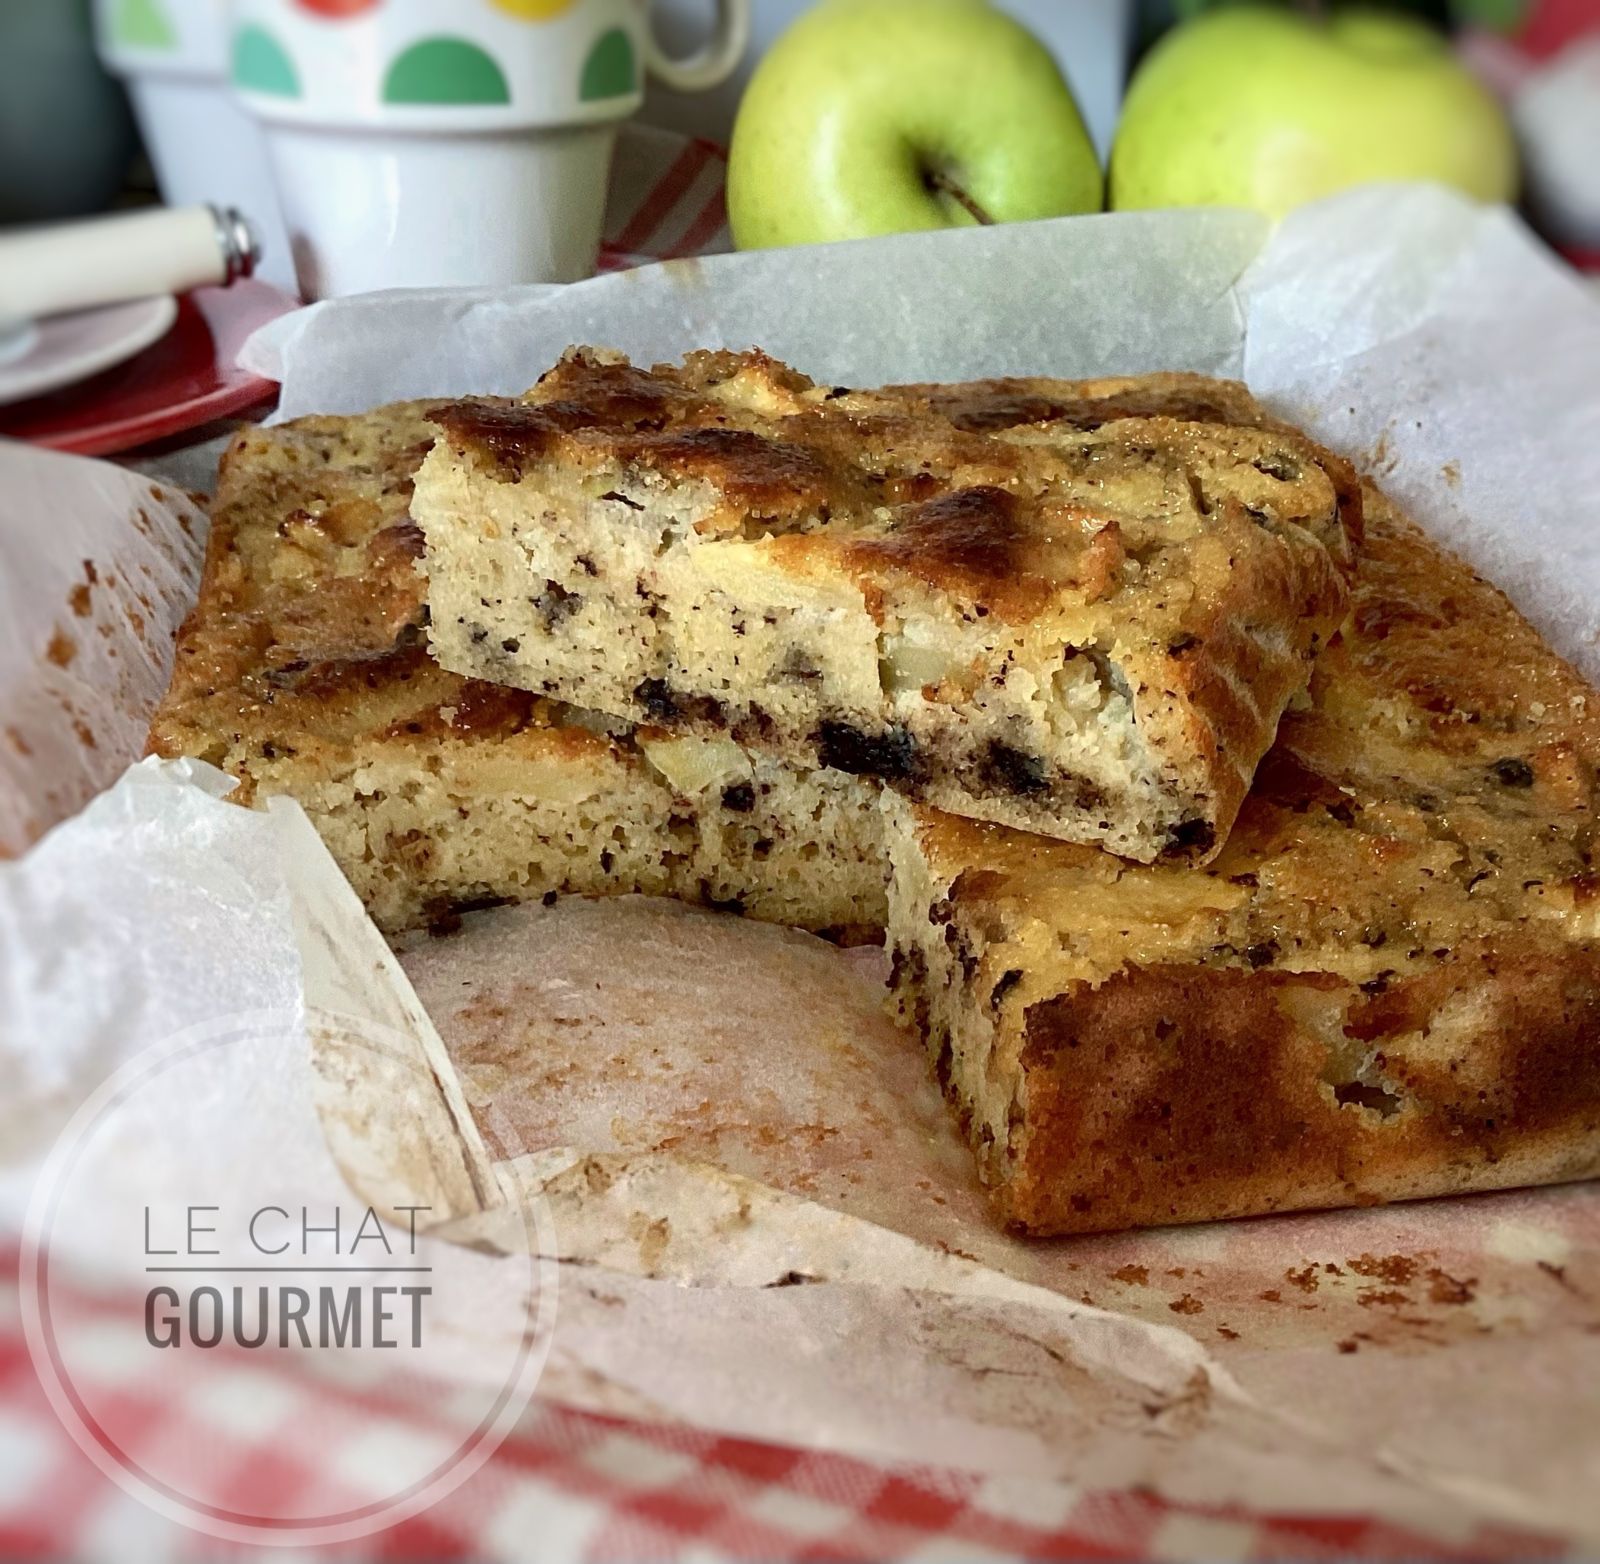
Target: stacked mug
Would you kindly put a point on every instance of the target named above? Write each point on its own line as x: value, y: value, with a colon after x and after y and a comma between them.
x: 414, y: 144
x: 205, y: 149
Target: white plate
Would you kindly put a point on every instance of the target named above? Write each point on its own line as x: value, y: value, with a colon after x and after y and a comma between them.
x: 17, y: 339
x: 68, y: 348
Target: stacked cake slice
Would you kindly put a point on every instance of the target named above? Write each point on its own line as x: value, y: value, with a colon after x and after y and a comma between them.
x: 1386, y: 985
x: 304, y: 672
x: 1085, y: 625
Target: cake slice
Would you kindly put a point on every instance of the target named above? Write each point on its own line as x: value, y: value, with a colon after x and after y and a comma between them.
x: 303, y: 671
x: 1074, y: 608
x: 1386, y: 986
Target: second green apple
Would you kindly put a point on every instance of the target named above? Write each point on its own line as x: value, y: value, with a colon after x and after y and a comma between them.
x: 1267, y: 108
x: 883, y: 116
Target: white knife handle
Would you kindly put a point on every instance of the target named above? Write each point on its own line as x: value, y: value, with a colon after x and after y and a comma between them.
x: 75, y: 266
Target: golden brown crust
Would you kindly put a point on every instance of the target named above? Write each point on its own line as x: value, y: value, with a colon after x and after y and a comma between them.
x: 306, y: 640
x: 974, y: 542
x: 1386, y: 985
x: 785, y: 450
x: 1235, y: 1107
x: 983, y: 405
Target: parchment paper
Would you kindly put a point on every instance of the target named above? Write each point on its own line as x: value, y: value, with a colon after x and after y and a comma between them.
x: 98, y: 567
x: 774, y: 1227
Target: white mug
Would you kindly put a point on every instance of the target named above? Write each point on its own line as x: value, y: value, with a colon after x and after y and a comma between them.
x: 417, y: 145
x: 173, y: 56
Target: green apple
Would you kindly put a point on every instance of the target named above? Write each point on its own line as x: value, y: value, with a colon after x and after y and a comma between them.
x: 1252, y: 106
x: 883, y: 116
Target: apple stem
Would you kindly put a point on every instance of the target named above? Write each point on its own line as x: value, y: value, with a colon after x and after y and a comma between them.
x: 945, y: 185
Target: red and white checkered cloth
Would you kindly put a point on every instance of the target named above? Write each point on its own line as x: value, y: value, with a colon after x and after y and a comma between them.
x: 571, y: 1486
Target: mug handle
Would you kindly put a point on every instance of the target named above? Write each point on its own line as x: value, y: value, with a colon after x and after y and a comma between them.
x: 710, y: 65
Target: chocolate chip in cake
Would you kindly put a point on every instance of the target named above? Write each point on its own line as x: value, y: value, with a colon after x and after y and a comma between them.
x: 1190, y: 836
x: 656, y: 698
x: 703, y: 708
x: 1008, y: 981
x: 891, y: 754
x: 1014, y: 770
x: 1513, y: 771
x: 556, y: 604
x: 1279, y: 465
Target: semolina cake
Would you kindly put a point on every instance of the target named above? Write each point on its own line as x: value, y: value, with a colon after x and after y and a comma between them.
x: 1077, y: 608
x: 1386, y: 986
x: 304, y: 672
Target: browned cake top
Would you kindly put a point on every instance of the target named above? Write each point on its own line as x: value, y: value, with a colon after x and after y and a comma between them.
x: 1197, y: 550
x: 308, y: 628
x: 1006, y: 494
x: 979, y: 406
x: 1440, y: 791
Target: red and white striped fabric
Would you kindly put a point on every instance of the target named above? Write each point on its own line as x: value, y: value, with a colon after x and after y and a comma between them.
x: 666, y: 200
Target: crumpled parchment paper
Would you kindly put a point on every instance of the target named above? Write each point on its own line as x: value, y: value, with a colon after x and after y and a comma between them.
x: 766, y: 1220
x: 97, y: 566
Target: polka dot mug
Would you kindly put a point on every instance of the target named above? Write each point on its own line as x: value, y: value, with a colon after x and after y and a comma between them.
x: 419, y: 144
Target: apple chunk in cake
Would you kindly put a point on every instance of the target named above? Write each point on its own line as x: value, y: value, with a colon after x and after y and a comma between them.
x: 304, y: 673
x: 1386, y: 987
x: 987, y: 597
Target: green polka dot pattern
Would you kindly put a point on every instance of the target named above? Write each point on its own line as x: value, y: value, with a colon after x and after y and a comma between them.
x: 446, y: 71
x: 610, y: 71
x: 143, y: 24
x: 262, y: 64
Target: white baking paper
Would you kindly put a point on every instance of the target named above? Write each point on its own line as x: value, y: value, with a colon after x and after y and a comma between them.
x: 759, y: 1244
x: 97, y: 566
x: 1094, y: 293
x: 1441, y: 345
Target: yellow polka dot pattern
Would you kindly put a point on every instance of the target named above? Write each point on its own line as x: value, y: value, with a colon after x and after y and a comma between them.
x: 533, y: 10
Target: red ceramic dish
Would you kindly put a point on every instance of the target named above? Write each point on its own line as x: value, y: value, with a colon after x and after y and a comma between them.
x: 186, y: 379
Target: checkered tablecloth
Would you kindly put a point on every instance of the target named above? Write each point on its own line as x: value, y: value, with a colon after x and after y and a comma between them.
x: 569, y: 1485
x: 572, y: 1486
